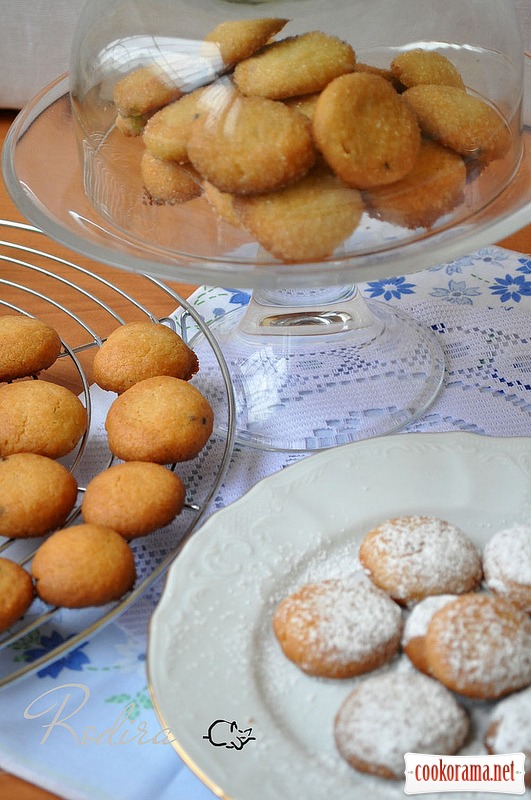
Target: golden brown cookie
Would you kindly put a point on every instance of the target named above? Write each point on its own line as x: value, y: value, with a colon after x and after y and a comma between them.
x: 460, y: 121
x: 507, y: 565
x: 305, y: 221
x: 304, y: 104
x: 383, y: 73
x: 36, y: 495
x: 480, y: 646
x: 250, y: 145
x: 365, y: 131
x: 296, y: 65
x: 416, y: 628
x: 168, y: 182
x: 394, y: 713
x: 16, y: 592
x: 131, y: 126
x: 134, y: 498
x: 239, y: 39
x: 509, y: 730
x: 338, y: 628
x: 222, y: 204
x: 413, y: 557
x: 160, y: 419
x: 83, y: 565
x: 144, y: 90
x: 27, y: 346
x: 40, y: 417
x: 432, y: 188
x: 139, y: 350
x: 166, y: 133
x: 420, y: 66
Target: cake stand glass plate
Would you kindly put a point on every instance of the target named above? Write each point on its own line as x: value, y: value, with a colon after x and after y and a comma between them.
x: 212, y: 654
x: 74, y: 174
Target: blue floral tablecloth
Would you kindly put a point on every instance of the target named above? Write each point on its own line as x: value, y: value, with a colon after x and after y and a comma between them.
x: 84, y: 726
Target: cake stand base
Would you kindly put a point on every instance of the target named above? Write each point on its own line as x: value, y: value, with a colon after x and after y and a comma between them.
x: 317, y: 374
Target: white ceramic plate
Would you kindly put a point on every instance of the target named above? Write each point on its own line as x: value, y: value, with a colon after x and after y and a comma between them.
x: 212, y: 655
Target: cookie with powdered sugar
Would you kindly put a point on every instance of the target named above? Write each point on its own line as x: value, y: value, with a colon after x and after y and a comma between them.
x: 393, y: 713
x: 413, y: 557
x: 416, y: 627
x: 507, y: 565
x: 479, y: 645
x: 338, y: 628
x: 509, y: 730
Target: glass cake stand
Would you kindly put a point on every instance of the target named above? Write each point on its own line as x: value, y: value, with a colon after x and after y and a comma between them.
x: 313, y: 364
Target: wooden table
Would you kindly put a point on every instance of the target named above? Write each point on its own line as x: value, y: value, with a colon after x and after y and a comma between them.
x: 12, y: 788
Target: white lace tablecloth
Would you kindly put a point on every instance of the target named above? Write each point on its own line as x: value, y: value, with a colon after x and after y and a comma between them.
x: 84, y: 726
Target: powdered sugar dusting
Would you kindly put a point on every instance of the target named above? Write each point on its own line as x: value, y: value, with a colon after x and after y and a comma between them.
x: 507, y: 557
x: 388, y: 715
x: 483, y: 642
x: 421, y: 556
x: 419, y: 618
x: 341, y: 620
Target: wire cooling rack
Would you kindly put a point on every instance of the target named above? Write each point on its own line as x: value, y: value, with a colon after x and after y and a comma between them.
x: 51, y: 288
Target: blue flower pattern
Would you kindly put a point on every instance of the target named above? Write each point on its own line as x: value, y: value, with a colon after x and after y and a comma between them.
x: 525, y: 265
x: 75, y: 660
x: 476, y: 278
x: 457, y: 292
x: 238, y: 298
x: 511, y: 288
x: 392, y: 288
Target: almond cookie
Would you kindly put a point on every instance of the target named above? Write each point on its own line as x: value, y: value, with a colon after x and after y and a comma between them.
x: 416, y: 628
x: 40, y: 417
x: 460, y: 121
x: 413, y: 557
x: 366, y: 132
x: 432, y: 188
x: 144, y: 90
x: 166, y: 133
x: 338, y: 628
x: 16, y: 593
x: 37, y: 494
x: 249, y: 145
x: 305, y: 221
x: 134, y: 498
x: 239, y: 39
x: 507, y: 565
x: 28, y: 346
x: 139, y: 350
x: 480, y: 646
x: 394, y: 713
x: 84, y: 565
x: 296, y: 65
x: 425, y: 66
x: 509, y: 730
x: 168, y: 182
x: 162, y: 419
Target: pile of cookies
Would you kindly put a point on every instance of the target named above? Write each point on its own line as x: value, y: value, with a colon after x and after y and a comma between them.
x: 460, y: 619
x: 297, y: 139
x: 158, y: 418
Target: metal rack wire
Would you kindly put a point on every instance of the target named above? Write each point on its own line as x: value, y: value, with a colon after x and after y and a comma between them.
x: 105, y: 306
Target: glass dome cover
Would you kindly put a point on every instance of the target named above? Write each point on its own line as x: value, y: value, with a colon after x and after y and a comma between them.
x: 337, y: 228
